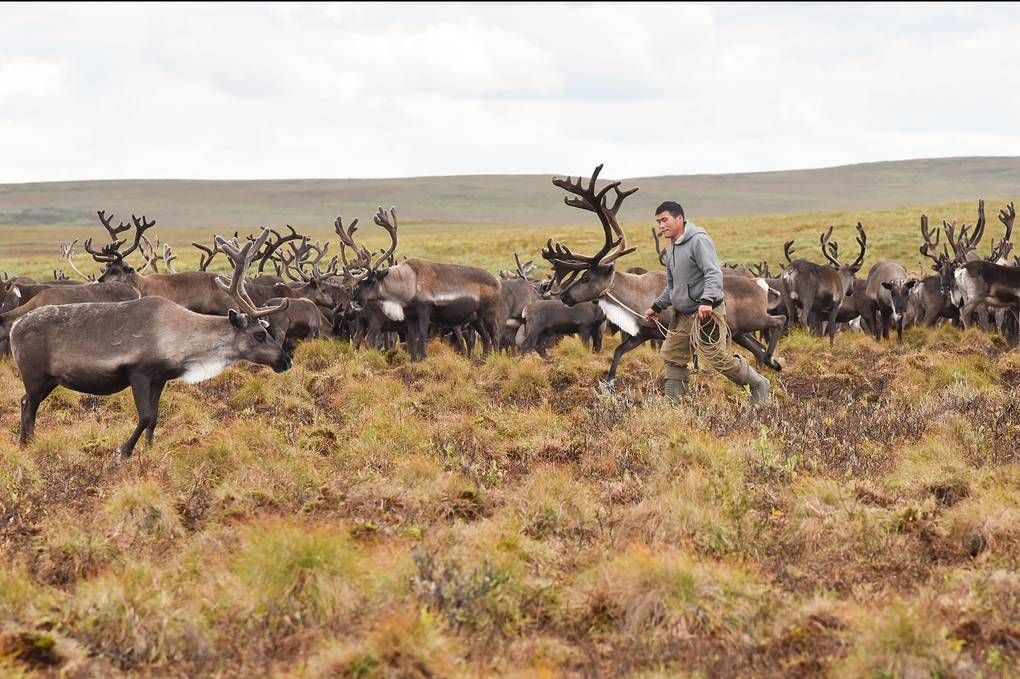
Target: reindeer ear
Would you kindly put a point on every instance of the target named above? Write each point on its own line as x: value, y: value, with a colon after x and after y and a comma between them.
x: 382, y: 273
x: 887, y: 285
x: 910, y: 284
x: 237, y: 319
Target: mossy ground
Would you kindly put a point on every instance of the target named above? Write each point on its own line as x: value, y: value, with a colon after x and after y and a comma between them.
x: 361, y: 515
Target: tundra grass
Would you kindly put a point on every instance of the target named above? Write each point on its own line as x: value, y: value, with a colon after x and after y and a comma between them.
x: 364, y: 516
x: 892, y: 234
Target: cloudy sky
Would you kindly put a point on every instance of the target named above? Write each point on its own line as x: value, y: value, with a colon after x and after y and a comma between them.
x: 263, y: 91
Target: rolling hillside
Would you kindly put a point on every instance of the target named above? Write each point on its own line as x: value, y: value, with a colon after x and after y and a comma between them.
x: 505, y: 199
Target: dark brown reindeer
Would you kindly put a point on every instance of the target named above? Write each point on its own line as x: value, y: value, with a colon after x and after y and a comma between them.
x: 545, y: 320
x: 931, y: 298
x: 143, y: 344
x: 818, y: 290
x: 421, y: 292
x: 582, y: 278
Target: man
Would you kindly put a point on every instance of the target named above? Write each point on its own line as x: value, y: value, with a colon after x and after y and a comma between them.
x: 694, y: 287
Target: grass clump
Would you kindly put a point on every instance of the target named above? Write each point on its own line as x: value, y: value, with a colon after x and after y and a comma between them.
x: 299, y: 575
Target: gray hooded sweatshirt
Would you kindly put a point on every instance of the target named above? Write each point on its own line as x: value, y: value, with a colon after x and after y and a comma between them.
x: 693, y: 273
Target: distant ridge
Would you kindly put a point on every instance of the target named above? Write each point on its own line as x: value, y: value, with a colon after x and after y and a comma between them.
x: 506, y: 199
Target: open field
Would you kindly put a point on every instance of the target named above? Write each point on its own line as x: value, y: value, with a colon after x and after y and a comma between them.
x: 892, y: 233
x: 363, y: 516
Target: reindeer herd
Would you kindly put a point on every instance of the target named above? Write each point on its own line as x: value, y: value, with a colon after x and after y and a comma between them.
x: 140, y: 328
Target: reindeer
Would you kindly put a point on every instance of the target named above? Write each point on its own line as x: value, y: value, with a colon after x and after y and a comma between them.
x: 980, y: 282
x: 817, y: 289
x: 547, y: 319
x: 931, y: 298
x: 582, y: 278
x: 143, y: 344
x: 887, y: 290
x: 516, y: 291
x: 419, y: 291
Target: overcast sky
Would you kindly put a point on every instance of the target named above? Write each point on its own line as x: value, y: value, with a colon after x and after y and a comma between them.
x: 264, y: 91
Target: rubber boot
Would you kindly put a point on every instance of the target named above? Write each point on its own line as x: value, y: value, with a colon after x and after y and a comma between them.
x: 677, y: 379
x: 760, y: 386
x: 745, y: 375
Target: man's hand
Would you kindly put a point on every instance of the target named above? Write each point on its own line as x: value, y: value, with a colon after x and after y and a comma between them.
x: 650, y: 315
x: 704, y: 311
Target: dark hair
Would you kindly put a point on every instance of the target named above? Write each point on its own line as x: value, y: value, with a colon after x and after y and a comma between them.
x: 672, y: 207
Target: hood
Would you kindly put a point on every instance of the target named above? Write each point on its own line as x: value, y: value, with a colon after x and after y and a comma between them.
x: 690, y: 231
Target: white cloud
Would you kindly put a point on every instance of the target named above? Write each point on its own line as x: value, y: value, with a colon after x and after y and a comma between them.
x: 266, y: 91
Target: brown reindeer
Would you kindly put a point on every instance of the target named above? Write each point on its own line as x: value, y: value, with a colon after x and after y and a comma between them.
x: 59, y: 295
x: 419, y: 292
x: 931, y: 298
x: 143, y: 344
x: 621, y: 295
x: 819, y: 290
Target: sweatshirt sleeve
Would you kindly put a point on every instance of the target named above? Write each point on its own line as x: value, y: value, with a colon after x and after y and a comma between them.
x: 663, y: 299
x: 708, y: 261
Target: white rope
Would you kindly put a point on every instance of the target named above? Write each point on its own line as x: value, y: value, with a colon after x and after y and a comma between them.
x: 716, y: 350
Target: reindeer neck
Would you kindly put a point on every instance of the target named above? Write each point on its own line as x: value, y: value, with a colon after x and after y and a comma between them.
x: 636, y: 291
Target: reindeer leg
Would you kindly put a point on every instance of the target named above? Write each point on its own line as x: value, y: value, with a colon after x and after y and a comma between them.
x: 157, y: 391
x: 774, y: 334
x: 141, y: 389
x: 629, y: 343
x: 747, y: 341
x: 34, y: 395
x: 422, y: 339
x: 832, y: 322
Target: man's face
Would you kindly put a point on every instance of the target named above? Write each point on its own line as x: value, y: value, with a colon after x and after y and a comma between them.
x: 669, y: 226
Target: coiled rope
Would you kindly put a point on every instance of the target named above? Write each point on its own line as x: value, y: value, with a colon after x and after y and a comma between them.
x: 710, y: 337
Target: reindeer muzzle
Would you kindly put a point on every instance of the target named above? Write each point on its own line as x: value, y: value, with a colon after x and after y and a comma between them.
x: 283, y: 365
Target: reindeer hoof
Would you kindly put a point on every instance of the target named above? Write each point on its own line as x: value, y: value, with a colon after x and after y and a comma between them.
x: 607, y: 386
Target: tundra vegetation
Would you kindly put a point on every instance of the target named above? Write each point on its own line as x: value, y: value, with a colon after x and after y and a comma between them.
x: 366, y: 515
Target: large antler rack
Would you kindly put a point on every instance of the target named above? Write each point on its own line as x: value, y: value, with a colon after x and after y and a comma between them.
x: 567, y: 263
x: 965, y: 244
x: 111, y: 252
x: 241, y: 257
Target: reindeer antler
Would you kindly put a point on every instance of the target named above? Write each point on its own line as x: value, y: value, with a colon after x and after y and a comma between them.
x: 567, y: 263
x: 241, y: 258
x: 168, y: 257
x: 67, y: 253
x: 659, y: 250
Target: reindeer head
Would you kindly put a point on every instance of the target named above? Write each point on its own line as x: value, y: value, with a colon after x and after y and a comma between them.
x: 899, y: 291
x: 580, y: 278
x: 831, y: 251
x: 252, y: 338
